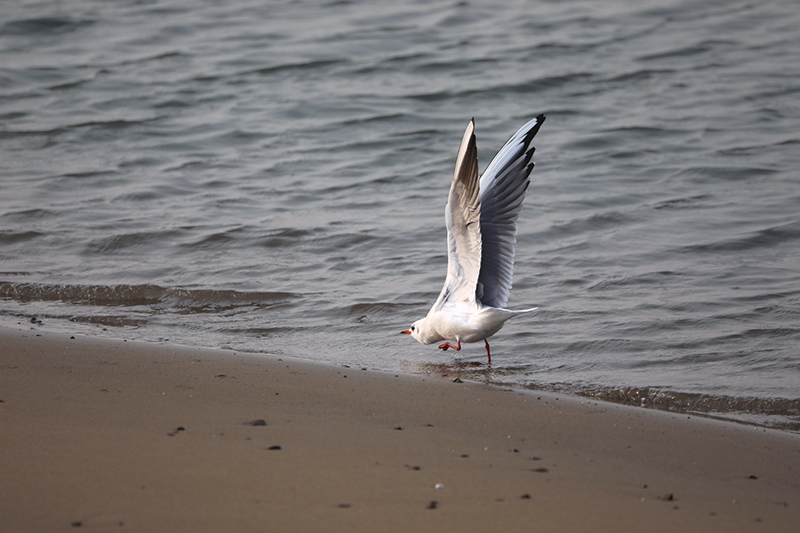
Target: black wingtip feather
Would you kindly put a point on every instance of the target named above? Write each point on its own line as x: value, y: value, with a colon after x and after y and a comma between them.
x: 534, y: 130
x: 528, y: 156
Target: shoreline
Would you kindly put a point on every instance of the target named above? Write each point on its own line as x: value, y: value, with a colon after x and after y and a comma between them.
x: 120, y: 435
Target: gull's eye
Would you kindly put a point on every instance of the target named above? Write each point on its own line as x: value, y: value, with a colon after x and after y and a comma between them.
x: 412, y: 328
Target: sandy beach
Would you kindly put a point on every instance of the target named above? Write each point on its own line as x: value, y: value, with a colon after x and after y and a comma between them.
x: 113, y: 435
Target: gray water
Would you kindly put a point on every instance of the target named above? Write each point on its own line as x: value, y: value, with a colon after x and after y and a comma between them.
x: 271, y: 177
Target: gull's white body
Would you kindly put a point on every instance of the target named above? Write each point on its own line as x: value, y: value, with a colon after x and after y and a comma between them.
x: 481, y: 218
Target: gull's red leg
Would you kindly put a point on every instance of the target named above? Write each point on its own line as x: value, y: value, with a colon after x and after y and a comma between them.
x: 488, y: 353
x: 447, y: 345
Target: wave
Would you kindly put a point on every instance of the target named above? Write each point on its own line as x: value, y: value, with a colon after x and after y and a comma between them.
x: 782, y: 413
x: 765, y: 238
x: 143, y: 295
x: 39, y: 26
x: 14, y: 237
x: 526, y: 87
x: 773, y: 412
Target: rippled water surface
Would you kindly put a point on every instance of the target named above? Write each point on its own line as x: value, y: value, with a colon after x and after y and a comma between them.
x: 271, y: 177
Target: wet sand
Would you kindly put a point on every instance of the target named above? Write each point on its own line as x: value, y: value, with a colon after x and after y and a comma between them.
x: 113, y: 435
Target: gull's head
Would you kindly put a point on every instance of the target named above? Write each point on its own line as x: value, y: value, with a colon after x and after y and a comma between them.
x: 419, y: 331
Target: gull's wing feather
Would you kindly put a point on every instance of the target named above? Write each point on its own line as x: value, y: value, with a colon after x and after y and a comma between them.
x: 463, y: 220
x: 502, y: 190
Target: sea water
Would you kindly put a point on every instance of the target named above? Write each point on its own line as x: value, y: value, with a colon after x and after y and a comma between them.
x: 271, y: 177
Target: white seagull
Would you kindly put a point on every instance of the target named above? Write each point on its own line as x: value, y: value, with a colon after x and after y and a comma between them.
x: 481, y: 219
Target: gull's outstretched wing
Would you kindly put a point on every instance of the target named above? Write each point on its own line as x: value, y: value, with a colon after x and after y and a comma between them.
x: 502, y: 190
x: 463, y: 220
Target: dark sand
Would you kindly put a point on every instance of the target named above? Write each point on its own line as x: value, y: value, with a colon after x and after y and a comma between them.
x: 115, y: 436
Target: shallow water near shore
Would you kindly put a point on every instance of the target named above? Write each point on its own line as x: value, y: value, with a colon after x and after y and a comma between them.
x: 272, y: 178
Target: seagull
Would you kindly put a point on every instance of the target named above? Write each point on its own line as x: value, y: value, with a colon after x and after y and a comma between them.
x: 481, y: 219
